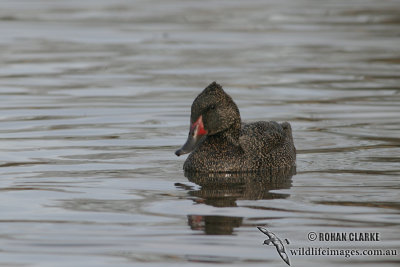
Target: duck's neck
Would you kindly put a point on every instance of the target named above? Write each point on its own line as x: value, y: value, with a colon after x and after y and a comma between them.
x: 230, y: 136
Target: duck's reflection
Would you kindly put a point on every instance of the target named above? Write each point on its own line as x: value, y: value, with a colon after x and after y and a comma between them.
x: 223, y: 190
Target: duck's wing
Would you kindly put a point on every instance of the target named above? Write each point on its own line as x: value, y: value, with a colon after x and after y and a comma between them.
x: 264, y: 135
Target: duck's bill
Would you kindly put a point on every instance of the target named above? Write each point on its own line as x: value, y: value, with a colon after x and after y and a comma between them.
x: 190, y: 145
x: 196, y: 134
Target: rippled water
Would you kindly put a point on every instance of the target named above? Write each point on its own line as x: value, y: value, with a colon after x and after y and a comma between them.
x: 95, y: 98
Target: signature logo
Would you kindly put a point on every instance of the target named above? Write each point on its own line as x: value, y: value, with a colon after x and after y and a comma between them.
x: 275, y: 241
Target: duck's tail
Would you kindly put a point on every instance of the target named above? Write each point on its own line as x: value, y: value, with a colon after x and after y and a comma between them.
x: 289, y: 137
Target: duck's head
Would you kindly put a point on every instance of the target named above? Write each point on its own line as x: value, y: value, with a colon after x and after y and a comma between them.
x: 213, y: 111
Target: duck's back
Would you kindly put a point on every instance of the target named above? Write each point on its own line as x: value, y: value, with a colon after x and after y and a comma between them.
x: 268, y: 144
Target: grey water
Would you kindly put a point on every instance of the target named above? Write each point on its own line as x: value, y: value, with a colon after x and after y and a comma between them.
x: 95, y: 98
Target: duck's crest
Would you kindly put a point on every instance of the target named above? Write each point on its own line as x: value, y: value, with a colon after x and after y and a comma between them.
x: 213, y: 87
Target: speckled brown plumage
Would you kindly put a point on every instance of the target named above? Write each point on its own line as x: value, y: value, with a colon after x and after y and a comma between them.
x: 229, y: 145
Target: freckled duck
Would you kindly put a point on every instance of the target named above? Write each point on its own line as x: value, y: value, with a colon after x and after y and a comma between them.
x: 219, y: 142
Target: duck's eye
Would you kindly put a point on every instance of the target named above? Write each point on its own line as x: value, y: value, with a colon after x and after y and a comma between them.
x: 212, y: 107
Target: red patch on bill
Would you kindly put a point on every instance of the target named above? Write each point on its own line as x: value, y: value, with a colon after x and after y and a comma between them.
x: 197, y: 128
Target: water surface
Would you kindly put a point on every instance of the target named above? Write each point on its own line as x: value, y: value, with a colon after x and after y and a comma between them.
x: 95, y: 99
